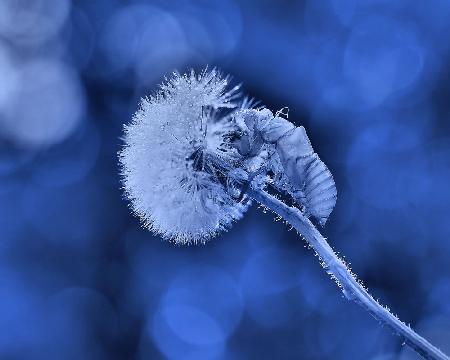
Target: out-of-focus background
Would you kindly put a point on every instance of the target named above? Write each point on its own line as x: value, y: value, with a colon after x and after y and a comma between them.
x: 80, y: 278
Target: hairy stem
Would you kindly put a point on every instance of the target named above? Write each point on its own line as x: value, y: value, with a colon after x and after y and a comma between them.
x: 343, y: 276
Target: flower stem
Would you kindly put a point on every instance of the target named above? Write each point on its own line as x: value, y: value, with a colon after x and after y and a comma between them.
x: 346, y: 280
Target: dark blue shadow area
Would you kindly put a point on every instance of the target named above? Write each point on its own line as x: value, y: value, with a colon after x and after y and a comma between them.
x: 81, y: 279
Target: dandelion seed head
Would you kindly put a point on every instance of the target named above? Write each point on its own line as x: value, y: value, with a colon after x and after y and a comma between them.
x: 173, y: 187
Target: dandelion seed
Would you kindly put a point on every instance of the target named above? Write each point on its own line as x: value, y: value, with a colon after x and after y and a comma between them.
x: 173, y: 187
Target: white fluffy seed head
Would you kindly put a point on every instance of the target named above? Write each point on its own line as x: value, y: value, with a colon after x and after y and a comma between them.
x: 165, y: 170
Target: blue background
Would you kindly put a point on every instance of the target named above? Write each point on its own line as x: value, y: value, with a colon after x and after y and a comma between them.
x: 80, y: 278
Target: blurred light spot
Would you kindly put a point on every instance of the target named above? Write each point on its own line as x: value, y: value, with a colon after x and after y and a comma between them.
x: 212, y: 290
x: 193, y: 325
x: 265, y: 283
x: 199, y: 38
x: 200, y: 309
x: 382, y: 57
x: 47, y: 106
x: 173, y: 347
x: 145, y: 39
x: 212, y: 27
x: 223, y: 21
x: 32, y: 22
x: 19, y: 305
x: 161, y: 47
x: 120, y: 36
x: 10, y: 76
x: 384, y: 164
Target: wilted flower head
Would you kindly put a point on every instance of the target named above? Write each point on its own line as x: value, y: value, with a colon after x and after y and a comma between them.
x: 172, y: 186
